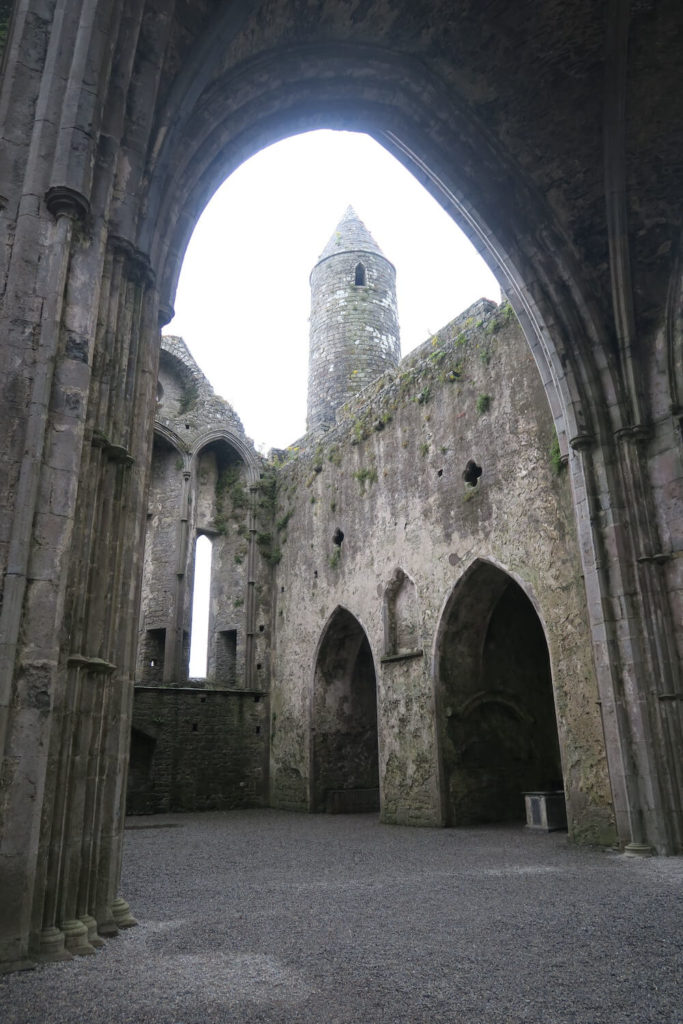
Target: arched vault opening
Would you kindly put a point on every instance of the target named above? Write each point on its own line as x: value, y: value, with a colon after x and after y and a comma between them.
x: 406, y: 111
x: 496, y: 717
x: 344, y: 755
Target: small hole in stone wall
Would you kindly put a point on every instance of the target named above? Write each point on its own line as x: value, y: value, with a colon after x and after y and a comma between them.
x: 315, y: 574
x: 194, y: 727
x: 257, y: 698
x: 471, y: 473
x: 202, y: 700
x: 259, y: 665
x: 282, y: 590
x: 258, y: 729
x: 439, y: 472
x: 338, y: 537
x: 187, y: 426
x: 261, y: 628
x: 153, y: 663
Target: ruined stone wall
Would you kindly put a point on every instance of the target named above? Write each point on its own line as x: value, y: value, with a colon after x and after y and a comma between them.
x: 111, y: 158
x: 197, y: 750
x: 390, y: 477
x: 160, y: 567
x: 206, y: 480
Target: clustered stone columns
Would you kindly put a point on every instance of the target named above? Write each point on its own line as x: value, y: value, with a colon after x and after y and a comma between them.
x: 89, y: 740
x: 635, y: 666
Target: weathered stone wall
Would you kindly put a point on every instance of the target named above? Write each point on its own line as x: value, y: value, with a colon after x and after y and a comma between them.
x: 389, y: 475
x: 117, y: 126
x: 198, y: 750
x: 205, y: 747
x: 204, y: 482
x: 161, y: 560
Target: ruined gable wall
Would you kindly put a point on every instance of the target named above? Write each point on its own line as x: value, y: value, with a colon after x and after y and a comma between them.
x: 389, y: 475
x: 200, y: 743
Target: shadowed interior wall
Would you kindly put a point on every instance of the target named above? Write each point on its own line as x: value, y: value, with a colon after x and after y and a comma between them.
x: 497, y: 717
x: 344, y: 714
x: 197, y: 750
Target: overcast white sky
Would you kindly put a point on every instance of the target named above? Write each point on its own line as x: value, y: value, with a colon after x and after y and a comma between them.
x: 243, y: 298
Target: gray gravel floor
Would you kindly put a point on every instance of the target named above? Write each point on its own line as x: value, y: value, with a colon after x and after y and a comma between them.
x: 264, y: 916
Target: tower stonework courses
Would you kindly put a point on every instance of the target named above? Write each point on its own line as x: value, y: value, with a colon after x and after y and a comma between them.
x: 354, y: 320
x: 465, y: 583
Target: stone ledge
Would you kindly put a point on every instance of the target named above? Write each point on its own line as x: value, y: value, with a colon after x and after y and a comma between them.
x: 401, y: 656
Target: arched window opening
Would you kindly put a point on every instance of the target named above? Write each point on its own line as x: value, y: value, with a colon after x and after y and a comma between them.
x: 360, y: 275
x: 201, y: 600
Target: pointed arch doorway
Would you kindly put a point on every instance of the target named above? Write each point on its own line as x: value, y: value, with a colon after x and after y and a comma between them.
x: 497, y: 727
x: 344, y: 741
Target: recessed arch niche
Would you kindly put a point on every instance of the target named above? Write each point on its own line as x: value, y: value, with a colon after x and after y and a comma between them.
x: 344, y: 754
x: 496, y: 723
x: 400, y: 613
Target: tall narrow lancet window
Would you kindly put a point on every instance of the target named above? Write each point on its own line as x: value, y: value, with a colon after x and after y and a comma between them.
x: 201, y: 596
x: 360, y: 274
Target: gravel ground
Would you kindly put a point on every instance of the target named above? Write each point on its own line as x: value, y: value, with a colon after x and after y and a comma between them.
x: 265, y: 916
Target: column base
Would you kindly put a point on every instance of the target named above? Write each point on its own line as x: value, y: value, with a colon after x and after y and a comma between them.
x: 93, y: 938
x: 106, y: 925
x: 122, y: 914
x: 17, y: 965
x: 51, y: 949
x: 76, y: 938
x: 638, y: 850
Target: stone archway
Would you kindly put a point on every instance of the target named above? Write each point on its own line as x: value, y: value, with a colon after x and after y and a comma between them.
x: 344, y: 745
x: 496, y: 718
x: 121, y: 119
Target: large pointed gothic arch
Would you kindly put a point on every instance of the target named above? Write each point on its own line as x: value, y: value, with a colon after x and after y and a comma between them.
x: 284, y: 93
x: 119, y: 120
x: 496, y: 722
x: 593, y: 394
x: 344, y: 755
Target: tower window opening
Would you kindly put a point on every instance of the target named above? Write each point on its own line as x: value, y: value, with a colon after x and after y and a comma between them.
x: 360, y: 275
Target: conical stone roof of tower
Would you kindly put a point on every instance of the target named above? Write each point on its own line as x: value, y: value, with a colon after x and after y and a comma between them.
x: 350, y: 235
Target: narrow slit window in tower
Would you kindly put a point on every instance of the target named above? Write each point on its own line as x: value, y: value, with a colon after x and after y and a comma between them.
x: 360, y: 274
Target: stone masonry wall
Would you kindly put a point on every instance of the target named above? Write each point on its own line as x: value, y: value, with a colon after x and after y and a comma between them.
x: 201, y: 743
x: 196, y: 750
x: 389, y: 475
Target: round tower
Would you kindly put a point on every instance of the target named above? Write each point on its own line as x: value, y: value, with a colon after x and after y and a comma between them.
x: 354, y: 322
